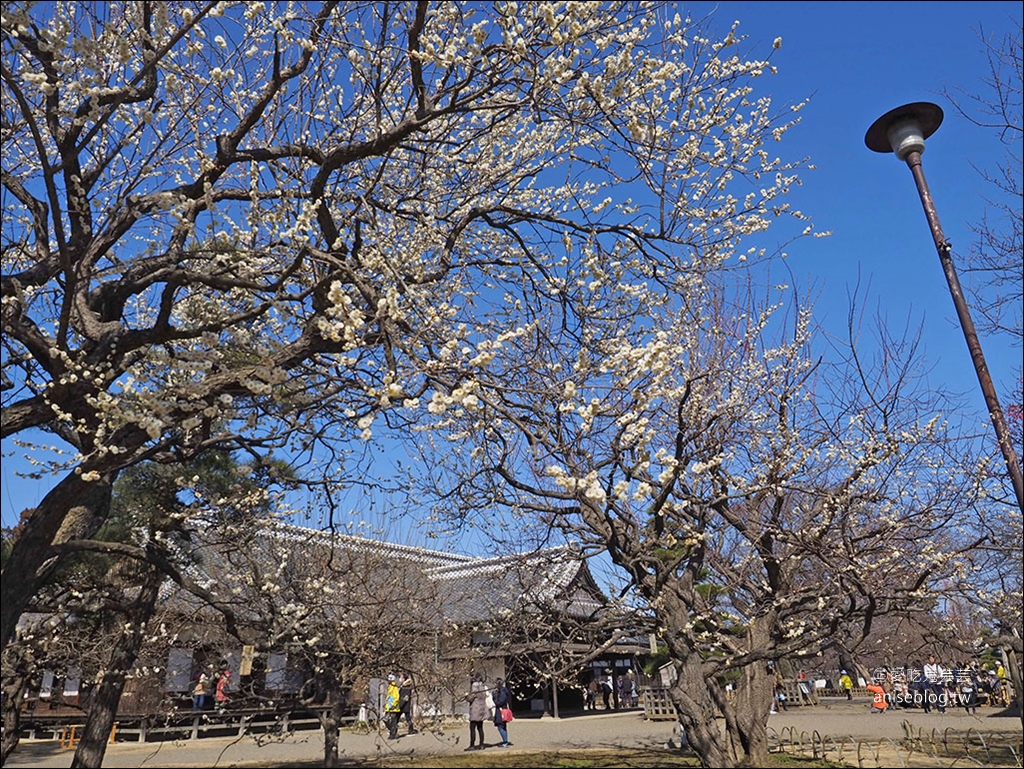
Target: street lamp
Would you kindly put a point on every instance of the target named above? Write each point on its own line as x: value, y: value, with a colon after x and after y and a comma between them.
x: 903, y: 131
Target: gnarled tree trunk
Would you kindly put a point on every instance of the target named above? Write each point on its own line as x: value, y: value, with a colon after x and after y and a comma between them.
x: 330, y: 721
x: 104, y: 702
x: 74, y: 509
x: 14, y: 686
x: 747, y: 716
x: 1014, y: 673
x: 697, y: 714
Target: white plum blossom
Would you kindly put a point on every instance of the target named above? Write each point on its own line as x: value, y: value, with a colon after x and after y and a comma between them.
x: 507, y: 234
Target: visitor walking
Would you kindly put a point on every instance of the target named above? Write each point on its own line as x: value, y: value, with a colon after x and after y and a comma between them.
x: 405, y: 689
x: 935, y: 677
x: 967, y: 682
x: 591, y: 695
x: 846, y: 684
x: 392, y: 707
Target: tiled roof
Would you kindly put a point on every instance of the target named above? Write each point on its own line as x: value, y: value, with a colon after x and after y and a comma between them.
x: 420, y: 555
x: 553, y: 578
x: 468, y: 589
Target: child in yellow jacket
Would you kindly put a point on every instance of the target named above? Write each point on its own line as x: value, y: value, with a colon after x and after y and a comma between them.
x: 846, y: 684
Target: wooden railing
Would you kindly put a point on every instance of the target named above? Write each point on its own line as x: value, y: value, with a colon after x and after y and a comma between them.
x: 189, y: 726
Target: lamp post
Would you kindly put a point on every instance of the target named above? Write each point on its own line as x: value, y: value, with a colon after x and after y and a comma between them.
x: 903, y: 131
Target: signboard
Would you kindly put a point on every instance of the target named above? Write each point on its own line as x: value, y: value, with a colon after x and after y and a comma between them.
x: 248, y: 653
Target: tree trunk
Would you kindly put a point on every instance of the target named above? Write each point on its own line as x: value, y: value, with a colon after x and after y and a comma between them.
x: 104, y: 702
x: 331, y: 738
x: 74, y: 509
x: 330, y: 722
x: 847, y: 662
x: 14, y: 690
x: 748, y: 726
x: 1013, y: 672
x: 746, y: 710
x: 697, y: 713
x: 322, y: 688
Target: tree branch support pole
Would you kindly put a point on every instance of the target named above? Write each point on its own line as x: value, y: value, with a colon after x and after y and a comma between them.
x: 967, y: 325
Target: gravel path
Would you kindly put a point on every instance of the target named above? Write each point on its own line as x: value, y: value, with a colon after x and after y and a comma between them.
x: 836, y: 719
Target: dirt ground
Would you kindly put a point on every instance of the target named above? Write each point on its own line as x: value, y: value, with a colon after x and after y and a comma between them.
x: 834, y: 724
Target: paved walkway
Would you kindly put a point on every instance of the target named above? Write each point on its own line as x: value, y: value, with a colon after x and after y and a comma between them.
x: 609, y: 730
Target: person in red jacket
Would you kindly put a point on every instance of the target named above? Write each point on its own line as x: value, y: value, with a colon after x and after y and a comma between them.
x: 223, y: 682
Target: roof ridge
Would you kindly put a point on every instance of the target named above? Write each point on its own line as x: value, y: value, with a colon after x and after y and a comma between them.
x: 279, y: 527
x: 495, y: 562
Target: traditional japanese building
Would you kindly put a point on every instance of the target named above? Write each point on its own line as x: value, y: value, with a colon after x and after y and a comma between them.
x: 536, y: 618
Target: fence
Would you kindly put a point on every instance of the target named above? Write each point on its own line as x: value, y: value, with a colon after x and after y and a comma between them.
x: 181, y: 726
x: 919, y: 747
x: 657, y: 705
x: 800, y: 692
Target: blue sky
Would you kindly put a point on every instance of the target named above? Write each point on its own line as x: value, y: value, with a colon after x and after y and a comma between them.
x: 856, y: 60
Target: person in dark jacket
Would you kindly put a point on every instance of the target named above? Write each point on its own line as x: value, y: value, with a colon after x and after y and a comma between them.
x: 405, y: 700
x: 502, y: 700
